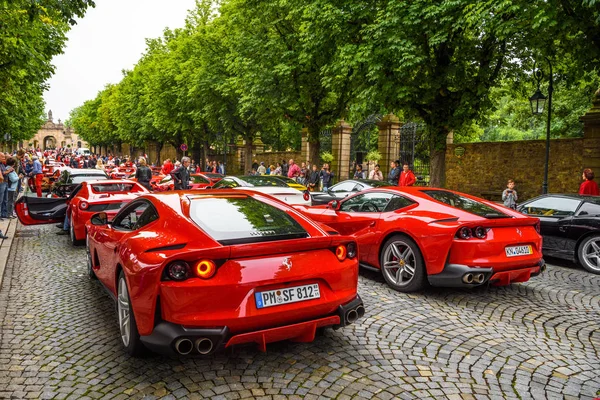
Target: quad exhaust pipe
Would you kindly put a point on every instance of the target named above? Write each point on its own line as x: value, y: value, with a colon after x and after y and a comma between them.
x: 470, y: 278
x: 185, y: 346
x: 204, y: 345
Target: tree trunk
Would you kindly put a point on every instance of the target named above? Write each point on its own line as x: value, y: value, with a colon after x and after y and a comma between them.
x: 159, y: 147
x: 314, y: 145
x: 247, y: 168
x: 437, y: 158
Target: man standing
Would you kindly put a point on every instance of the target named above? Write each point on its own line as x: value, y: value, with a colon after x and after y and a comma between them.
x: 221, y: 169
x: 181, y: 175
x: 394, y: 174
x: 358, y: 173
x: 326, y: 177
x: 294, y: 170
x: 37, y: 175
x: 261, y: 169
x: 407, y: 178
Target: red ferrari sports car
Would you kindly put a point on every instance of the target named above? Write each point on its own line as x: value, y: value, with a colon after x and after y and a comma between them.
x: 199, y: 271
x: 419, y: 236
x: 85, y: 200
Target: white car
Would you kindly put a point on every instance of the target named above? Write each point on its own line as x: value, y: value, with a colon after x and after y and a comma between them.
x: 267, y: 185
x: 83, y: 152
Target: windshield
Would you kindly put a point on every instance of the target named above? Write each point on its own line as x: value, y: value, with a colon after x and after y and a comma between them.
x: 114, y: 187
x: 87, y: 178
x: 375, y: 183
x: 248, y: 220
x: 264, y: 180
x: 463, y: 203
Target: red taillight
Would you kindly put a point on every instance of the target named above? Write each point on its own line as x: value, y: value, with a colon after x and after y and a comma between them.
x: 341, y: 252
x: 83, y: 205
x: 306, y: 195
x: 205, y: 269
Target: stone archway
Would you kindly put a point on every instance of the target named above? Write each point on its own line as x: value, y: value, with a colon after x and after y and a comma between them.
x: 49, y: 142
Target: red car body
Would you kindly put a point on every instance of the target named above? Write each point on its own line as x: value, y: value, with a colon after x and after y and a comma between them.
x: 87, y: 199
x: 179, y: 231
x: 123, y: 171
x: 454, y: 239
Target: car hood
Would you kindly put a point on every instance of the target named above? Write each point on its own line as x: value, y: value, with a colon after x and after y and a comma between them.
x: 113, y: 196
x: 273, y: 190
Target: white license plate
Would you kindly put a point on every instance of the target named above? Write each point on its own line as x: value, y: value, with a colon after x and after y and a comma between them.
x: 286, y: 296
x: 516, y: 251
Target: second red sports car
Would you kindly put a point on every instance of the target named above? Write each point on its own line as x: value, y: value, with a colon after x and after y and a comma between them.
x: 197, y: 271
x: 86, y: 199
x: 421, y: 236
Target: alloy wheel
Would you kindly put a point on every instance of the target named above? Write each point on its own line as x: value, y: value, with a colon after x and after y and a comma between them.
x: 399, y: 263
x: 124, y: 311
x: 590, y: 254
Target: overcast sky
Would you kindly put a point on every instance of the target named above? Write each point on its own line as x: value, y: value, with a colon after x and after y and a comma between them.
x: 110, y: 38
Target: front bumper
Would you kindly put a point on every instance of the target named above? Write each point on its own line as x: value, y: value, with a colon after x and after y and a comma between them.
x: 173, y: 339
x: 459, y: 275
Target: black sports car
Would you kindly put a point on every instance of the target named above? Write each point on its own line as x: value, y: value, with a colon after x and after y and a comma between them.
x: 344, y: 189
x: 570, y: 225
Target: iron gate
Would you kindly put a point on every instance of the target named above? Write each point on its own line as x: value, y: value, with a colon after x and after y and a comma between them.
x: 414, y: 149
x: 362, y: 140
x: 325, y: 141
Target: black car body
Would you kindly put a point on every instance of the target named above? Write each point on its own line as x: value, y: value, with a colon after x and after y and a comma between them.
x: 570, y: 226
x: 344, y: 189
x: 71, y: 177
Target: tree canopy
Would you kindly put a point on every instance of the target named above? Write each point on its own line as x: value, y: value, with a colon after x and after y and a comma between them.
x: 244, y: 67
x: 31, y: 33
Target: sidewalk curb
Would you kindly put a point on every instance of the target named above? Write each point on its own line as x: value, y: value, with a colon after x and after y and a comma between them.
x: 6, y: 245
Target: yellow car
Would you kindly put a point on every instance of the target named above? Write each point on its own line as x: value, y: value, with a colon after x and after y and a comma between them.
x: 290, y: 182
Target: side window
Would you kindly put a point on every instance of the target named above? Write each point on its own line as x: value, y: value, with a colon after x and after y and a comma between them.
x: 368, y: 202
x: 551, y: 207
x: 589, y: 210
x: 127, y: 219
x: 358, y: 187
x: 147, y: 216
x: 397, y: 202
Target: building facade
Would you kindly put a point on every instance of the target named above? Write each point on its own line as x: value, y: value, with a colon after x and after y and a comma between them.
x: 53, y: 135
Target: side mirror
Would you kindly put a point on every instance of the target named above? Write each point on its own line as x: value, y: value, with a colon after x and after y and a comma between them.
x: 334, y: 205
x: 99, y: 219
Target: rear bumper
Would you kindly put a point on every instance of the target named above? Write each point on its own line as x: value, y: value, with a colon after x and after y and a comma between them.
x: 167, y: 338
x: 459, y: 275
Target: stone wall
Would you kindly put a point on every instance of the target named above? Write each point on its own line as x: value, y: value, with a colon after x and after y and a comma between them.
x: 484, y: 168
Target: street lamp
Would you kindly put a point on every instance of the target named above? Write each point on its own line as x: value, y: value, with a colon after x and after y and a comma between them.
x: 537, y: 102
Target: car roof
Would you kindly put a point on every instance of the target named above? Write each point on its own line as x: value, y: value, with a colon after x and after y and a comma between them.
x: 580, y: 197
x: 86, y: 171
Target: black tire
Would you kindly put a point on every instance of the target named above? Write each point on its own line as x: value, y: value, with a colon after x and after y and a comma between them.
x: 130, y: 337
x: 90, y: 270
x: 588, y: 254
x: 72, y: 237
x: 405, y: 252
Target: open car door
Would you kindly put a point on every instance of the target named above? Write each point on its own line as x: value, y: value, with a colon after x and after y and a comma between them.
x: 41, y: 210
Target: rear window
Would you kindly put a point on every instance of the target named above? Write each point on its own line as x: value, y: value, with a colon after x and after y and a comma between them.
x: 87, y: 178
x: 243, y: 219
x: 113, y: 187
x: 463, y: 203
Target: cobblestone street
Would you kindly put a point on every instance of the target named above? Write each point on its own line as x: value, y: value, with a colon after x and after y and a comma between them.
x: 59, y: 339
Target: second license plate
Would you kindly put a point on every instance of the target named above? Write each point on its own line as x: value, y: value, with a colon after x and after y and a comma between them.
x: 516, y: 251
x: 286, y: 296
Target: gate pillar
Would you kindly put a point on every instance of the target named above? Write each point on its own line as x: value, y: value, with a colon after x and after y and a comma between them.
x: 389, y: 141
x: 305, y: 149
x: 341, y: 136
x: 591, y: 135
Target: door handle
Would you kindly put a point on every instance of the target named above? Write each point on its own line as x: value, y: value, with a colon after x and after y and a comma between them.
x: 562, y: 228
x: 372, y: 224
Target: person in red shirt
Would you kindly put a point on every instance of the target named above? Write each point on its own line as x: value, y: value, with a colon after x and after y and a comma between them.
x: 167, y: 167
x: 407, y: 178
x: 589, y: 187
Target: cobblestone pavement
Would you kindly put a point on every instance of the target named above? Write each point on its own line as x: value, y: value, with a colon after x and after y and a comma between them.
x: 59, y: 339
